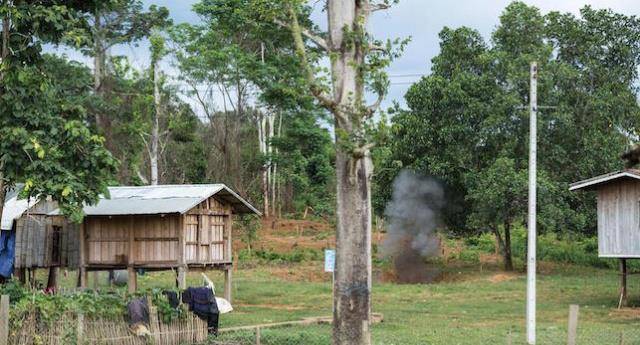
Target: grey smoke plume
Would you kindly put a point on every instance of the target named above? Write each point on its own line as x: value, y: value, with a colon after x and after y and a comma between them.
x: 413, y: 215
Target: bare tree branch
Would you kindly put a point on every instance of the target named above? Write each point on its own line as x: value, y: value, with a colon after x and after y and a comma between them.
x: 316, y: 90
x: 375, y: 106
x: 315, y: 38
x: 377, y: 48
x: 379, y: 7
x: 360, y: 152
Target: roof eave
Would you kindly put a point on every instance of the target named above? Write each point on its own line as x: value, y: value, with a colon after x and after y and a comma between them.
x: 599, y: 180
x: 244, y: 202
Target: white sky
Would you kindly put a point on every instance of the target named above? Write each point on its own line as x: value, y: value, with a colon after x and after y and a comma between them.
x: 422, y: 20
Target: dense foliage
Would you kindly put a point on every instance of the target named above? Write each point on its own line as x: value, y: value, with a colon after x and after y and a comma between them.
x: 467, y: 122
x: 46, y: 143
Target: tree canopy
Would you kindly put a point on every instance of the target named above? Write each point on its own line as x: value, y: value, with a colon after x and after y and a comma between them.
x: 467, y: 122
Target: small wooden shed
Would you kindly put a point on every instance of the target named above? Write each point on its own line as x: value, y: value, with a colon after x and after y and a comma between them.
x: 164, y: 227
x: 618, y: 197
x: 40, y: 241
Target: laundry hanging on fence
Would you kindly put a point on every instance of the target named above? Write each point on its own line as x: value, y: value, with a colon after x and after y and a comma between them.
x: 202, y: 302
x: 172, y: 296
x: 7, y: 252
x: 139, y: 316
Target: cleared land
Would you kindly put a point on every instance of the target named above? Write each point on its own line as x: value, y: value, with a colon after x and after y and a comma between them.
x: 468, y: 307
x: 470, y: 304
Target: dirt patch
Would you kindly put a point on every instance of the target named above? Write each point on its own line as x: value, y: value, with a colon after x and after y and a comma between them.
x: 502, y: 277
x: 300, y: 273
x: 626, y: 314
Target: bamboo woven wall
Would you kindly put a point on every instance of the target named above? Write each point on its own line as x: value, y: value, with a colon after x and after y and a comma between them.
x: 35, y: 240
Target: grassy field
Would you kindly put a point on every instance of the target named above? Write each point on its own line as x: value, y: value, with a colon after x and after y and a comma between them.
x: 472, y: 305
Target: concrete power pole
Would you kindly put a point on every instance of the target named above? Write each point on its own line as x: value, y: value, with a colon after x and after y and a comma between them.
x: 532, y: 235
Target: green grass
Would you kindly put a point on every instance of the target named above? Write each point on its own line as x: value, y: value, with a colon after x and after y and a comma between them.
x: 470, y: 307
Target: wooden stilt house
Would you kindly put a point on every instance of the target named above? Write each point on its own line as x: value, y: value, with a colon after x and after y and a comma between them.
x: 618, y: 196
x: 165, y: 227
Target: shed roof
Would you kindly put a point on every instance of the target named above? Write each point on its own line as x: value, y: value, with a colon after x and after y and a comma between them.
x: 163, y: 199
x: 14, y: 207
x: 594, y: 182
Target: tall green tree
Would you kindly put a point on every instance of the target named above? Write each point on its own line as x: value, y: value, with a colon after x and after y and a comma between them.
x: 466, y: 123
x: 357, y: 62
x: 231, y: 53
x: 45, y: 141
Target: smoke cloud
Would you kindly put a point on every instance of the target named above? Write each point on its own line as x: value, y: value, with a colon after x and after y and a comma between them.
x: 413, y: 216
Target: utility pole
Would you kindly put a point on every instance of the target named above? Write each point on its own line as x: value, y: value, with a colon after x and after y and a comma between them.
x: 532, y: 235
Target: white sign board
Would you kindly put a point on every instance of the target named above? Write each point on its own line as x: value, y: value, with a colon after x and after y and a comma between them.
x: 329, y: 260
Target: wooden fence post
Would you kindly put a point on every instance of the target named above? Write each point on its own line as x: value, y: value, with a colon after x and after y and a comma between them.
x: 227, y: 284
x: 258, y: 336
x: 4, y: 320
x: 80, y: 329
x: 573, y: 324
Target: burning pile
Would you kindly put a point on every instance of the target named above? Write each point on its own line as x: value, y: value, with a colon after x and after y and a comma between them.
x: 413, y: 217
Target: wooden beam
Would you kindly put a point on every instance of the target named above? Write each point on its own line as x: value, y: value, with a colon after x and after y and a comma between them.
x: 108, y: 240
x: 227, y: 284
x: 573, y: 324
x: 166, y: 239
x: 52, y: 281
x: 4, y: 320
x: 82, y: 271
x: 376, y: 318
x: 206, y: 212
x: 229, y: 239
x: 132, y: 284
x: 623, y: 283
x: 182, y: 277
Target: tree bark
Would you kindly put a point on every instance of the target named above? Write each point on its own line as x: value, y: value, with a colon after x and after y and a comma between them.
x: 4, y: 55
x: 98, y: 63
x: 262, y: 141
x: 155, y: 129
x: 353, y: 252
x: 508, y: 258
x: 274, y: 176
x: 352, y: 289
x: 52, y: 281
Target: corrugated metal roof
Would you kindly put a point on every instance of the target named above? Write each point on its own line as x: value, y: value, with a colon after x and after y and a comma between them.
x: 14, y: 207
x: 162, y: 199
x: 606, y: 178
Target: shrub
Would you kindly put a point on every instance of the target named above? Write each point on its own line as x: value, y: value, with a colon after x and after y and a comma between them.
x: 469, y: 256
x: 294, y: 256
x: 485, y: 242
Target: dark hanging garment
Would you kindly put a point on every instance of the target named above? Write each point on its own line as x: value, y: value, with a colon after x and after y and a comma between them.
x: 202, y: 302
x: 7, y: 252
x: 172, y: 296
x: 186, y: 296
x: 138, y: 311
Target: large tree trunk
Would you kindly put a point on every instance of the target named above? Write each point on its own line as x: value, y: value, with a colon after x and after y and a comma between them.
x: 3, y: 57
x: 98, y: 63
x: 353, y: 257
x: 262, y: 141
x: 352, y: 289
x: 508, y: 260
x: 155, y: 129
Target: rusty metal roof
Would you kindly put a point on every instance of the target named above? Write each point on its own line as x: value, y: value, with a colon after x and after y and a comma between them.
x: 594, y: 182
x: 163, y: 199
